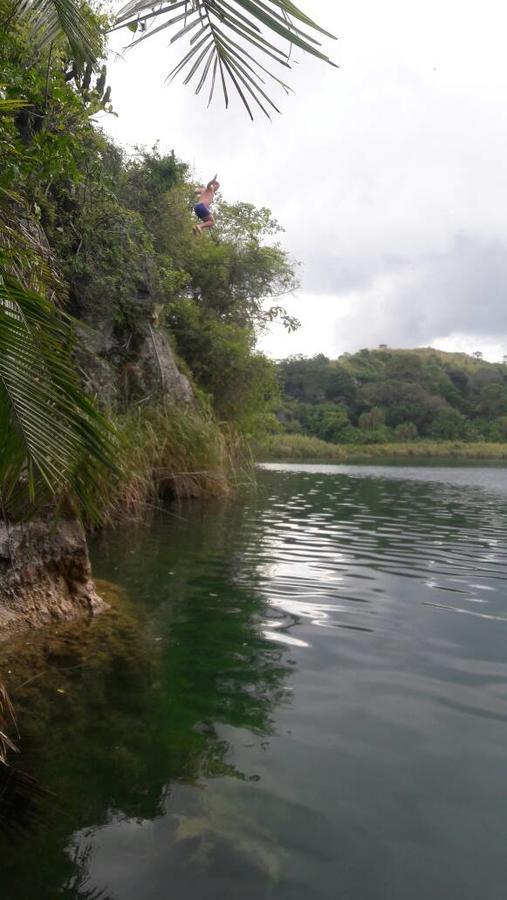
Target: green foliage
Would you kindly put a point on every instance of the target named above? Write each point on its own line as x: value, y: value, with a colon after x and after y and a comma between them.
x: 371, y: 420
x: 300, y: 446
x: 170, y: 450
x: 448, y: 424
x: 240, y: 276
x: 213, y: 295
x: 395, y: 395
x: 122, y: 250
x: 65, y: 22
x: 54, y: 443
x: 297, y: 446
x: 144, y: 186
x: 222, y: 358
x: 326, y: 421
x: 407, y: 431
x: 219, y: 292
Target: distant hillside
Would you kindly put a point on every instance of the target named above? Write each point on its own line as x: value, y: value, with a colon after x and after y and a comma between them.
x: 376, y: 396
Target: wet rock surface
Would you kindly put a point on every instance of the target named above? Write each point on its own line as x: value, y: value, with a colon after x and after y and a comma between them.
x: 45, y: 575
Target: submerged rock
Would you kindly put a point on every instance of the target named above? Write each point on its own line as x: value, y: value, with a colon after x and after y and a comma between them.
x: 45, y: 575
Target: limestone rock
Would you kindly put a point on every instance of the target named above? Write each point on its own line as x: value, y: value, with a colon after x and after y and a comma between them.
x: 45, y: 575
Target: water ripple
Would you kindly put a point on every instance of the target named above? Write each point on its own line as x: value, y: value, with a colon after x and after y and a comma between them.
x: 349, y: 549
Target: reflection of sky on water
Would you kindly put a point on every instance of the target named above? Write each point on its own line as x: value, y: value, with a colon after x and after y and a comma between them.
x: 201, y: 845
x: 326, y: 551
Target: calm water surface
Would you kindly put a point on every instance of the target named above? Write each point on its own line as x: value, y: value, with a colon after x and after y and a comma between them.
x: 300, y: 696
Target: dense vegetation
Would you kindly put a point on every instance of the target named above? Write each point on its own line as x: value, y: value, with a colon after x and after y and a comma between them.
x: 386, y: 395
x: 81, y: 224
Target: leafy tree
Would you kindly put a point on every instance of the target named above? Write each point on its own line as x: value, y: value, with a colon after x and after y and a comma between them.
x: 305, y: 379
x: 492, y: 400
x: 241, y: 277
x: 448, y: 424
x: 221, y: 356
x: 371, y: 420
x: 145, y: 184
x: 327, y: 421
x: 406, y: 431
x: 418, y: 392
x: 340, y: 385
x: 404, y: 366
x: 499, y: 431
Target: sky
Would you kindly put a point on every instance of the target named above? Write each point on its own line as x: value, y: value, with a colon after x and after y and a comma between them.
x: 388, y: 173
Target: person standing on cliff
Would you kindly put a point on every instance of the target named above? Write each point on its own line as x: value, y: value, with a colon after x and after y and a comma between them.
x: 205, y: 197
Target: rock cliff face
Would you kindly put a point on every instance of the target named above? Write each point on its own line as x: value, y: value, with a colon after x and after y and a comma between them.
x: 125, y: 353
x: 124, y: 356
x: 45, y: 575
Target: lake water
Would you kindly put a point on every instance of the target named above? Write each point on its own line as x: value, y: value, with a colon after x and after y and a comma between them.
x: 300, y: 695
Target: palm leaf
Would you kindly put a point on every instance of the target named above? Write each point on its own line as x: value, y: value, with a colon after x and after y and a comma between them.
x: 7, y: 718
x: 54, y: 444
x: 50, y: 19
x: 7, y: 107
x: 235, y: 38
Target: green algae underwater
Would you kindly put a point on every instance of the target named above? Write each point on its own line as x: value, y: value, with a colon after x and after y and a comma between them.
x: 111, y: 712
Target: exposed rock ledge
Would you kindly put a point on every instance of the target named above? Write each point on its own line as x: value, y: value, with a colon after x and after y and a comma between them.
x: 45, y: 575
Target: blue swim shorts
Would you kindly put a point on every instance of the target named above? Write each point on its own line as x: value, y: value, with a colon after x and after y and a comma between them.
x: 202, y: 211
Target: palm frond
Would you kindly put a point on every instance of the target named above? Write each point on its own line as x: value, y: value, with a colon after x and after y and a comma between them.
x: 7, y: 107
x: 50, y: 19
x: 54, y: 444
x: 236, y: 38
x: 7, y: 718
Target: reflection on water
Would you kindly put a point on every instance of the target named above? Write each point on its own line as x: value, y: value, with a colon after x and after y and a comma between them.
x: 300, y: 695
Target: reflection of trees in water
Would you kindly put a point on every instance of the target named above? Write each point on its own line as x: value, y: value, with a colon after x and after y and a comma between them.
x: 112, y: 711
x: 20, y: 799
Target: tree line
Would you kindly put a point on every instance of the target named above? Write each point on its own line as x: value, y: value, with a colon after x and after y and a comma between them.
x: 376, y: 396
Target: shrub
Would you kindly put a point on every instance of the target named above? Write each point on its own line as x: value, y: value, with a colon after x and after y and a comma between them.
x: 406, y: 431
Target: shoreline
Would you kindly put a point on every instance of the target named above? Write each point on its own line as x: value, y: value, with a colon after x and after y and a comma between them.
x: 299, y: 447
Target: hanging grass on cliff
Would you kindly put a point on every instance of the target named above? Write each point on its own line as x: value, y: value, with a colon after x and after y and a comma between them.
x: 171, y: 452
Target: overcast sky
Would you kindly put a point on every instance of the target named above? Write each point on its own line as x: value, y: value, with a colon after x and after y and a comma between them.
x: 388, y: 174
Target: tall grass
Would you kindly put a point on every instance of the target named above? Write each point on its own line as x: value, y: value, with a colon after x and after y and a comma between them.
x: 299, y: 446
x: 429, y: 450
x: 175, y: 452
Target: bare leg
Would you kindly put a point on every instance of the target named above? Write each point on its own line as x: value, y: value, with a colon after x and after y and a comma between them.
x: 200, y: 226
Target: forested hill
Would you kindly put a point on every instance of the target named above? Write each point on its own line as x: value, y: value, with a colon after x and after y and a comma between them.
x: 381, y: 395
